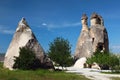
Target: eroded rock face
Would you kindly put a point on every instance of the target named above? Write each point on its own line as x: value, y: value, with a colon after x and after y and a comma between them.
x: 93, y: 38
x: 99, y: 34
x: 80, y: 63
x: 24, y: 37
x: 95, y: 66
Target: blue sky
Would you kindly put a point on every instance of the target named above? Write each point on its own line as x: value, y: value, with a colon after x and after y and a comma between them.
x: 57, y: 18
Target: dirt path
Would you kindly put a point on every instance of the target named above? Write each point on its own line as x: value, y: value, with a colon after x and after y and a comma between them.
x: 92, y: 73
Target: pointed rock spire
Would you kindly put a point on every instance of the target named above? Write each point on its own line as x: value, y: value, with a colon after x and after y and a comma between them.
x: 84, y: 16
x: 94, y: 15
x: 83, y: 47
x: 24, y: 37
x: 84, y: 22
x: 23, y: 21
x: 95, y: 19
x: 22, y: 25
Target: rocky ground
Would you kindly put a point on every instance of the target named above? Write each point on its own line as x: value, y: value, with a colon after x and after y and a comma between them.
x: 93, y: 73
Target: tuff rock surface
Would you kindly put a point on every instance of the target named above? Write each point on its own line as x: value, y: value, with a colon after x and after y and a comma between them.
x: 80, y: 63
x: 24, y: 37
x: 93, y: 38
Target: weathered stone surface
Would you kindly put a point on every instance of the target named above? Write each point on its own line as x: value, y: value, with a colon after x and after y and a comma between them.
x: 24, y: 37
x: 95, y: 66
x: 99, y: 35
x: 80, y: 63
x: 93, y: 38
x: 83, y: 48
x: 99, y: 38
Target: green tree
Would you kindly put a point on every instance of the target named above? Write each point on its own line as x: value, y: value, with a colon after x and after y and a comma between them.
x: 26, y: 60
x: 104, y: 58
x: 60, y: 52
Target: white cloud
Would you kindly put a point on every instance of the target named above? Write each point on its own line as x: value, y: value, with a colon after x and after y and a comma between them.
x: 44, y: 24
x: 71, y: 24
x: 116, y: 47
x: 8, y: 31
x: 63, y: 25
x: 5, y: 30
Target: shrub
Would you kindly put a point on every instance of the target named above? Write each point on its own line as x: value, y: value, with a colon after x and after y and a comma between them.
x: 116, y: 69
x: 104, y: 59
x: 26, y: 60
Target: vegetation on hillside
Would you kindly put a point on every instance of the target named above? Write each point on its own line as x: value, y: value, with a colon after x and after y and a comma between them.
x: 60, y: 52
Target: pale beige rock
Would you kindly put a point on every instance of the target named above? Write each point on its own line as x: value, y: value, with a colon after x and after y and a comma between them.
x: 84, y: 23
x: 24, y: 37
x: 93, y: 38
x: 95, y: 66
x: 83, y: 47
x: 99, y: 35
x: 80, y: 63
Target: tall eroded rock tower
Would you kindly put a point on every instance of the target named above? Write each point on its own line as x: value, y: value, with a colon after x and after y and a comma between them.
x: 24, y: 37
x: 93, y: 38
x: 83, y: 48
x: 98, y: 33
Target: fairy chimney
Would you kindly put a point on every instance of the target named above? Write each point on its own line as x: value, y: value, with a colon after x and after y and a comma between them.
x: 98, y: 33
x: 24, y: 37
x: 93, y: 38
x: 83, y: 47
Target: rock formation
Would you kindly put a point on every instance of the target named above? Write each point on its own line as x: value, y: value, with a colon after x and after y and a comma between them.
x: 93, y: 38
x: 83, y: 48
x: 80, y: 63
x: 95, y: 66
x: 24, y: 37
x: 98, y: 34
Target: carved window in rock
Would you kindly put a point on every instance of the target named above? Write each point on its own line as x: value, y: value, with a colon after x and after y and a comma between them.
x: 93, y: 40
x: 100, y: 46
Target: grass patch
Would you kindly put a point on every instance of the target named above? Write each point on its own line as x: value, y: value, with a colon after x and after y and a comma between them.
x: 40, y: 74
x: 116, y: 78
x: 110, y: 72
